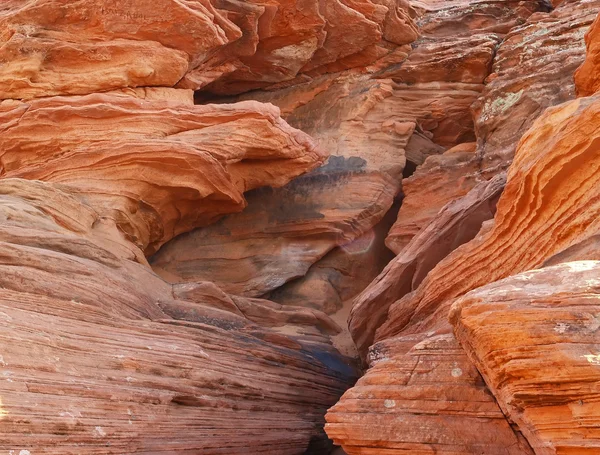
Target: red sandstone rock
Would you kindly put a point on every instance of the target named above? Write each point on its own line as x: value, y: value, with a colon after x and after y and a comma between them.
x: 586, y: 77
x: 54, y: 47
x: 532, y: 71
x: 456, y: 224
x: 546, y: 208
x: 540, y: 183
x: 99, y: 355
x: 370, y: 127
x: 438, y: 181
x: 534, y: 337
x: 406, y: 413
x: 157, y: 168
x: 527, y: 77
x: 284, y: 231
x: 543, y: 215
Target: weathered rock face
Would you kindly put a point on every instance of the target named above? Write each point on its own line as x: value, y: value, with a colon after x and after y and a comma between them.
x: 124, y: 155
x: 543, y: 217
x: 406, y: 413
x: 540, y: 180
x: 438, y: 181
x: 264, y: 224
x: 284, y: 231
x: 457, y: 223
x: 534, y: 337
x: 586, y: 77
x: 410, y: 108
x: 55, y: 47
x: 549, y: 205
x: 526, y: 78
x: 533, y: 70
x: 101, y: 356
x: 449, y: 176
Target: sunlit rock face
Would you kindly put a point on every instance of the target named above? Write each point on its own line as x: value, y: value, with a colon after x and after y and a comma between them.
x: 158, y: 168
x: 54, y: 47
x: 546, y: 208
x: 450, y: 176
x: 534, y: 337
x: 542, y: 218
x: 200, y: 204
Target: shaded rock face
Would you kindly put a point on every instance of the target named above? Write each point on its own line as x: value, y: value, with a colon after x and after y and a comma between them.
x: 409, y: 105
x: 100, y: 355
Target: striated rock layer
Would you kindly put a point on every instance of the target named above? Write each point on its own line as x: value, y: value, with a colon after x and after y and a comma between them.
x: 549, y: 205
x: 534, y: 337
x: 56, y: 47
x: 533, y: 69
x: 377, y: 126
x: 100, y: 356
x: 547, y: 213
x: 158, y: 168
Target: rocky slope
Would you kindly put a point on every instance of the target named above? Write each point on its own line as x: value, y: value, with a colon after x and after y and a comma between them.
x: 213, y: 212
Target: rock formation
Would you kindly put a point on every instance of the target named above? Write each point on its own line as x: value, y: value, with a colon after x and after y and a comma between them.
x: 551, y: 175
x: 508, y: 326
x: 200, y: 204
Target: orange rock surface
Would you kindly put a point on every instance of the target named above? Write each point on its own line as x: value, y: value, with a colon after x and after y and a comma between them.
x: 534, y: 337
x: 99, y: 355
x: 200, y: 203
x: 158, y: 168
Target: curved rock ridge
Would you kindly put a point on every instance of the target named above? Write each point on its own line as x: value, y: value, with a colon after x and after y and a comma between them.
x: 534, y: 338
x: 284, y: 231
x: 157, y: 168
x: 546, y: 208
x: 532, y: 70
x: 457, y: 223
x: 100, y: 356
x: 438, y: 181
x: 56, y: 47
x: 586, y: 77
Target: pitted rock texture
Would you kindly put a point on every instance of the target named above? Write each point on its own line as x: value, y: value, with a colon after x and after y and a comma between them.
x: 407, y: 415
x: 57, y: 47
x: 534, y: 337
x: 533, y: 70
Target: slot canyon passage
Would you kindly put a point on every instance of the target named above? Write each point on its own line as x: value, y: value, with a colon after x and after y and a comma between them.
x: 238, y: 227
